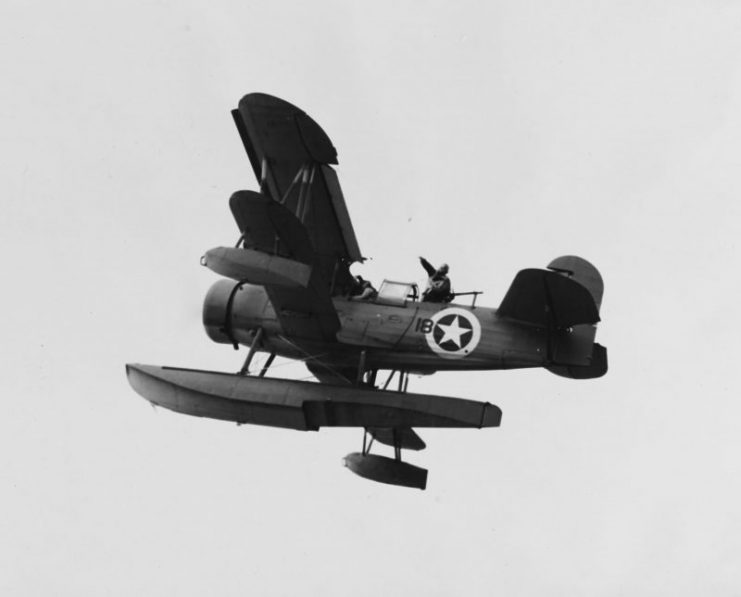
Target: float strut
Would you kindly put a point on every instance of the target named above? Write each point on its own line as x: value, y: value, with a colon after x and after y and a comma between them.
x: 367, y: 444
x: 245, y: 370
x: 361, y: 368
x: 267, y: 364
x: 388, y: 381
x: 403, y: 380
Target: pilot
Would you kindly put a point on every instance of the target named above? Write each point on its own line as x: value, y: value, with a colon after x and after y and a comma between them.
x: 438, y: 285
x: 362, y: 290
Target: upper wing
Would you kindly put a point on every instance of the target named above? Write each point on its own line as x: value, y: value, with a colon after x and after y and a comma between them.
x: 299, y: 219
x: 290, y: 155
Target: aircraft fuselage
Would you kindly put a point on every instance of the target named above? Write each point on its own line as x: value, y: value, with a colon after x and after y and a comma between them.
x: 418, y: 336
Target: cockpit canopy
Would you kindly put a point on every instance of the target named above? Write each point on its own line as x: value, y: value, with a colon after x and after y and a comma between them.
x: 397, y: 293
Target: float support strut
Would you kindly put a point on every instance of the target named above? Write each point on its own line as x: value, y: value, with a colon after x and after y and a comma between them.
x: 245, y: 370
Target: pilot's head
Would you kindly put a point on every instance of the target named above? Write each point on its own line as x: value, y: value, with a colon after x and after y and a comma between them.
x: 443, y: 269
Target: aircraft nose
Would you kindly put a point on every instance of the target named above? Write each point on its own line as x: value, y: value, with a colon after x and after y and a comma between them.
x: 215, y: 307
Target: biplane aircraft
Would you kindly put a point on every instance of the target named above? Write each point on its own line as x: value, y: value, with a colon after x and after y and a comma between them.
x: 288, y: 291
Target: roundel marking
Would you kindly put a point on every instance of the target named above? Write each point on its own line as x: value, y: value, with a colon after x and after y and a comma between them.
x: 454, y: 333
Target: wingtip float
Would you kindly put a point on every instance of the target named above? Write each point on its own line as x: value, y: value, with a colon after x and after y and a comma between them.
x: 289, y: 292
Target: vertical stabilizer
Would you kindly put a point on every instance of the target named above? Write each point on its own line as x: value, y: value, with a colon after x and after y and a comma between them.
x: 580, y: 270
x: 574, y: 353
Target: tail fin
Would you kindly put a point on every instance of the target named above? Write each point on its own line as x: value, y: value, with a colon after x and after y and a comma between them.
x: 580, y: 343
x: 580, y: 270
x: 565, y: 301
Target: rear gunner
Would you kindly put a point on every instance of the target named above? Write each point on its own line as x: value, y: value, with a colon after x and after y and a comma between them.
x: 438, y: 285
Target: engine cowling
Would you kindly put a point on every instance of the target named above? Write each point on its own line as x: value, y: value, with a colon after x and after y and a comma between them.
x: 232, y: 309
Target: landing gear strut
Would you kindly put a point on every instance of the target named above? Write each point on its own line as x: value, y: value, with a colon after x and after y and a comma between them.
x: 256, y: 342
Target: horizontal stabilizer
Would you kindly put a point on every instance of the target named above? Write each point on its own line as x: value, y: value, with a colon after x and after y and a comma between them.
x: 299, y: 404
x: 257, y: 267
x: 548, y: 299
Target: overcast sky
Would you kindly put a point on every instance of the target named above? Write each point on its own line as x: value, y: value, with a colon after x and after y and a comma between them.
x: 494, y: 136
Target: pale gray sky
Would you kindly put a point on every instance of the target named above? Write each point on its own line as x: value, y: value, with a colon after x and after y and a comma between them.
x: 494, y: 136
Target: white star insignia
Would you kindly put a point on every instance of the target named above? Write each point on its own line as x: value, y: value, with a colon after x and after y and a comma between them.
x: 452, y: 332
